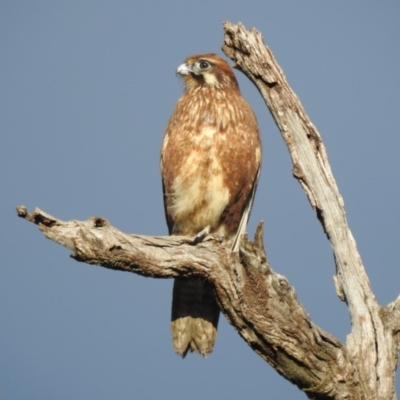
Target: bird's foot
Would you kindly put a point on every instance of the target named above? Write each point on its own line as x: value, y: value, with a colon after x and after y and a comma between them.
x: 201, y: 235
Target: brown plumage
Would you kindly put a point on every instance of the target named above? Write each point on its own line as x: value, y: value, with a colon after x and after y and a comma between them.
x: 210, y: 163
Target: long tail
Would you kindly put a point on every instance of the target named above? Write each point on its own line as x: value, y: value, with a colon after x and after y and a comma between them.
x: 194, y: 318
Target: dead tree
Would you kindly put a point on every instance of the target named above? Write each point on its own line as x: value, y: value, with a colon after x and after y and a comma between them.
x: 258, y: 302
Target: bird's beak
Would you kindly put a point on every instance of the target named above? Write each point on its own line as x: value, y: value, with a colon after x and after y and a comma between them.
x: 183, y: 69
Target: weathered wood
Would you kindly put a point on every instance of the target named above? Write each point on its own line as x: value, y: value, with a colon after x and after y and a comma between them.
x: 258, y: 302
x: 370, y: 344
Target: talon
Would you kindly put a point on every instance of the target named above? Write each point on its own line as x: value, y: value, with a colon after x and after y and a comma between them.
x: 201, y: 235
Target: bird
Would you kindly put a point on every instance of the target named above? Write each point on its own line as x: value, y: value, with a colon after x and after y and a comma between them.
x: 210, y: 165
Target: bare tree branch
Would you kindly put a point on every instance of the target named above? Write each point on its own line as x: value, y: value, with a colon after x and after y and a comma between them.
x: 370, y: 344
x: 259, y: 303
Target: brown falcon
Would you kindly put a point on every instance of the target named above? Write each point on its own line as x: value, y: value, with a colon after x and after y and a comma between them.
x: 210, y: 164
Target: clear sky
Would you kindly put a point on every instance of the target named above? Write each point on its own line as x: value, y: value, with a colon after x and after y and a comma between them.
x: 86, y: 91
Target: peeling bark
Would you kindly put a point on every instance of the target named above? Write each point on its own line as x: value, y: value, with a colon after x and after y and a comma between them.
x: 370, y: 343
x: 258, y: 302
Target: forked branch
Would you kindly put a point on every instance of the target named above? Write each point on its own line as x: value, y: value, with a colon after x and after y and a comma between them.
x: 259, y: 303
x: 370, y: 342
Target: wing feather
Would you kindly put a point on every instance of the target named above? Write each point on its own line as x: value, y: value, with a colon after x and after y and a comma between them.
x: 246, y: 214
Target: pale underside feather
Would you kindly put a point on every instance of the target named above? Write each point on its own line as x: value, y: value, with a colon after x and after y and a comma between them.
x: 245, y: 217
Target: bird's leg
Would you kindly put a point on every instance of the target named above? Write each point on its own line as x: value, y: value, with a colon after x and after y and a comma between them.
x: 202, y: 234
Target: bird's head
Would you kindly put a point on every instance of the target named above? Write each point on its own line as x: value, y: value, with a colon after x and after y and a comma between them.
x: 207, y: 70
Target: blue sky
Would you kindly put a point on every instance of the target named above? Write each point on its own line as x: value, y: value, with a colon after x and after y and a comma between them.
x: 87, y: 89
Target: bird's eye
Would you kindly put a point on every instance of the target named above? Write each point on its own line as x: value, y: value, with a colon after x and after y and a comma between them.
x: 204, y: 64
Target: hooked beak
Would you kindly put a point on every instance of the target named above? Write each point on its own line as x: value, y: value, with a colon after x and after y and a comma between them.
x: 183, y: 69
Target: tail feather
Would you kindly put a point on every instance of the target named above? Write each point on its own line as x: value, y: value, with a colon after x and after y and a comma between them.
x: 194, y: 318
